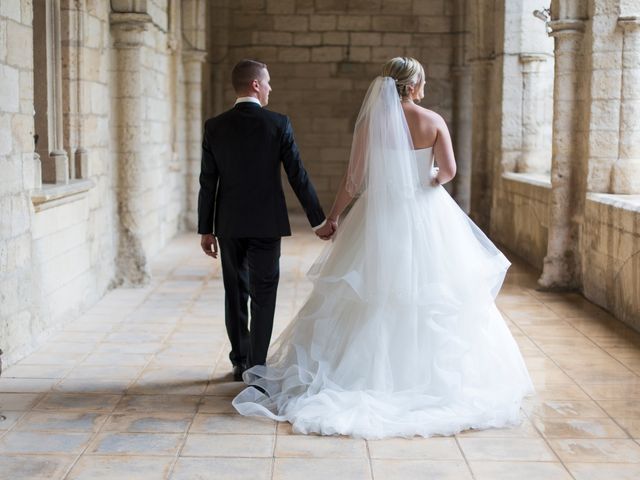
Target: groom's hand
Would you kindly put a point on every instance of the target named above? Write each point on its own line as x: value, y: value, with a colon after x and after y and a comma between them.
x: 327, y: 231
x: 209, y: 245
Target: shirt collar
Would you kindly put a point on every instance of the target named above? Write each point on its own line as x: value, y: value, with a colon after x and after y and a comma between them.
x: 247, y: 99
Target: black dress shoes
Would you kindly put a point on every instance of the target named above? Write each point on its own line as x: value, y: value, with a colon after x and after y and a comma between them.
x: 238, y: 370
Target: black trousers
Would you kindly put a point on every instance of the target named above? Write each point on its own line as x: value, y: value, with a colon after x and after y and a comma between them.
x: 250, y: 269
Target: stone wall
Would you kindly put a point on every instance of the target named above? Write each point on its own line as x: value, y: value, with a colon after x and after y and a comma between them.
x: 523, y: 216
x: 322, y: 56
x: 60, y: 243
x: 18, y: 316
x: 611, y: 254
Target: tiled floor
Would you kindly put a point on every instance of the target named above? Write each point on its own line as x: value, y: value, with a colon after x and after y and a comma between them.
x: 139, y: 387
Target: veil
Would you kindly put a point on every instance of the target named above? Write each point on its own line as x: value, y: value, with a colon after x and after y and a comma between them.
x: 383, y: 172
x: 382, y: 157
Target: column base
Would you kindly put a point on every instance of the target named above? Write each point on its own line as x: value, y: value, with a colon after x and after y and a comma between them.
x: 558, y: 274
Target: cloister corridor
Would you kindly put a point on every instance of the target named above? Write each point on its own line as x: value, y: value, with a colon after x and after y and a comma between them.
x: 139, y: 387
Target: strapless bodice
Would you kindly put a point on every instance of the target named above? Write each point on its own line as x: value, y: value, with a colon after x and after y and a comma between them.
x: 424, y: 161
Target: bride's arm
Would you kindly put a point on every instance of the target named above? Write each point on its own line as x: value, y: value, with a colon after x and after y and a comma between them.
x: 342, y: 200
x: 354, y: 176
x: 443, y: 151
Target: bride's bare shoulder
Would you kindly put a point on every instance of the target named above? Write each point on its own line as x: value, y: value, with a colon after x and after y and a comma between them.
x: 430, y: 116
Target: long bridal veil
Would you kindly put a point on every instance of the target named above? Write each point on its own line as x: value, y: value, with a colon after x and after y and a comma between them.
x: 400, y: 335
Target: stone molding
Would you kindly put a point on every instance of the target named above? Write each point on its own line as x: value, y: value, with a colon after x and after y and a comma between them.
x: 629, y: 23
x: 533, y: 57
x: 128, y: 29
x: 53, y: 195
x: 194, y: 55
x: 566, y: 27
x: 537, y: 179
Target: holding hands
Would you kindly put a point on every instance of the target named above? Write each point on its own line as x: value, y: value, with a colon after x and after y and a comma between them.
x: 328, y: 230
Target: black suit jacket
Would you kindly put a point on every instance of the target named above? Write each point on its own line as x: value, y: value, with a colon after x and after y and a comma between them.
x: 240, y: 183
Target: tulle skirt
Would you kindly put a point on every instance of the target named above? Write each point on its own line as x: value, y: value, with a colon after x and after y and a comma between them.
x: 400, y: 335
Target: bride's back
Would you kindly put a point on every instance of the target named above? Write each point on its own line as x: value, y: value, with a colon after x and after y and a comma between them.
x: 422, y: 125
x: 428, y: 129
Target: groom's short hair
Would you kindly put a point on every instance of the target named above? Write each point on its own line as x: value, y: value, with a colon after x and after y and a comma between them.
x: 245, y: 72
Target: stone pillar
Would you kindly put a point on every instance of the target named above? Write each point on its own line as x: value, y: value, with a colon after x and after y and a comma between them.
x: 560, y: 269
x: 128, y: 31
x: 193, y: 61
x: 482, y: 160
x: 533, y: 158
x: 48, y: 91
x: 462, y: 130
x: 626, y: 170
x: 73, y: 18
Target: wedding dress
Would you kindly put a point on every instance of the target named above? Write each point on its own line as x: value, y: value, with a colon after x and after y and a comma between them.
x: 400, y: 335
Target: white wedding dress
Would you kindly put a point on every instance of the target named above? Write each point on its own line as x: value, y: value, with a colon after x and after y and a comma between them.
x: 400, y: 335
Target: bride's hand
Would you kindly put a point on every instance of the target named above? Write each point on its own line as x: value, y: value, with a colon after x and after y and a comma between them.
x: 434, y: 177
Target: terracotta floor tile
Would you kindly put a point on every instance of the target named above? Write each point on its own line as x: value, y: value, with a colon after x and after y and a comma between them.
x: 54, y: 421
x: 604, y: 471
x: 158, y: 403
x: 158, y: 422
x: 320, y: 447
x: 35, y: 467
x: 420, y: 469
x: 116, y: 443
x: 578, y: 427
x: 223, y: 445
x: 321, y: 469
x: 99, y: 467
x: 596, y: 450
x: 562, y: 408
x: 506, y: 449
x: 436, y: 448
x: 230, y: 423
x: 87, y: 402
x: 43, y: 442
x: 519, y: 471
x: 190, y: 468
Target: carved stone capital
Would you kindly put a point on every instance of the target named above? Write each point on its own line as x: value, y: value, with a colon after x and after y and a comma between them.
x: 565, y: 27
x: 128, y: 28
x: 629, y: 23
x: 194, y: 55
x: 533, y: 57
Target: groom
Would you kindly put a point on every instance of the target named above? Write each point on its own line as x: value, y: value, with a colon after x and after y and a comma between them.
x: 241, y: 207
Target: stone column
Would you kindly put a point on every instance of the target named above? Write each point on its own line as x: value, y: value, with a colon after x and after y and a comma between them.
x: 193, y: 61
x: 462, y: 130
x: 48, y: 91
x: 128, y: 31
x: 560, y: 269
x: 481, y: 162
x: 532, y: 158
x: 626, y: 170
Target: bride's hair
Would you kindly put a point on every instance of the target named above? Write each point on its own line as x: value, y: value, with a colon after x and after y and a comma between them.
x: 406, y: 72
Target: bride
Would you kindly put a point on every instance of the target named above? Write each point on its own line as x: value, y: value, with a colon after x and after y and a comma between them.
x: 400, y: 335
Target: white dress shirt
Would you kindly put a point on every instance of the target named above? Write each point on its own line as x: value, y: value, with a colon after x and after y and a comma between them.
x: 247, y: 99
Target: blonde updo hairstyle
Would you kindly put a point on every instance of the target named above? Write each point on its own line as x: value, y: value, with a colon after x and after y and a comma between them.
x: 406, y: 71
